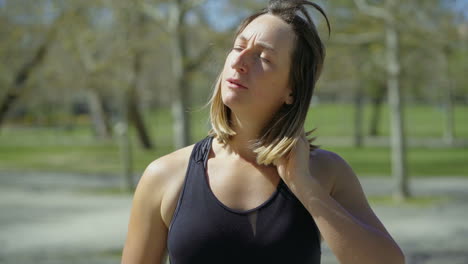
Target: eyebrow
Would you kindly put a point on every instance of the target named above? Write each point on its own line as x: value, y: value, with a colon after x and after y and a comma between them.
x: 261, y: 44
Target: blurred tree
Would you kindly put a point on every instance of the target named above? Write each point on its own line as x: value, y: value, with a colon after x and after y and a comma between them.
x: 89, y: 49
x: 172, y: 16
x: 428, y: 50
x: 21, y: 76
x: 364, y: 58
x: 387, y: 14
x: 106, y: 47
x: 135, y: 24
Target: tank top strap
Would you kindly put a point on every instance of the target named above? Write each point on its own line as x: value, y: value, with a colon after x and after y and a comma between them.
x: 201, y: 150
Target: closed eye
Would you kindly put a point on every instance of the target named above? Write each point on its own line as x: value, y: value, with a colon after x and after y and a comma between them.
x: 259, y: 55
x: 264, y: 58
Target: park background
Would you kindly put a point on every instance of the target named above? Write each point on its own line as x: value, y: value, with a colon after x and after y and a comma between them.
x: 92, y: 91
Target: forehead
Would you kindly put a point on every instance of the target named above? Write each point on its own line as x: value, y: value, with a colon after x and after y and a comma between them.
x: 269, y: 29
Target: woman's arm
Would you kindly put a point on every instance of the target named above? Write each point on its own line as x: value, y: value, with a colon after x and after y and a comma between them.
x: 147, y: 233
x: 345, y: 220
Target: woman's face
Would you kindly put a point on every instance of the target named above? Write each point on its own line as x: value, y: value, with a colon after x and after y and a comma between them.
x: 256, y: 72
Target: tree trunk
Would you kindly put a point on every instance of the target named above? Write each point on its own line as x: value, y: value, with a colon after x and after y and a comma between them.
x: 449, y: 128
x: 99, y: 117
x: 398, y: 146
x: 132, y: 102
x: 376, y: 110
x: 180, y: 95
x: 134, y: 113
x: 23, y: 74
x: 136, y: 118
x: 126, y: 153
x: 180, y: 116
x: 15, y: 90
x: 358, y: 117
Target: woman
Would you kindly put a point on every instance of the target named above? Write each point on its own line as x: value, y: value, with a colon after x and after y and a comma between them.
x: 255, y: 190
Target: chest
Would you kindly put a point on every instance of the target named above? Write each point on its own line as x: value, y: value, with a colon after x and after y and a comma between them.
x: 206, y: 230
x: 240, y: 185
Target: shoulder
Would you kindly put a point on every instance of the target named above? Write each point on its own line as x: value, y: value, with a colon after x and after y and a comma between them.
x: 147, y: 228
x: 329, y: 167
x: 162, y: 182
x: 157, y: 170
x: 162, y: 171
x: 160, y: 175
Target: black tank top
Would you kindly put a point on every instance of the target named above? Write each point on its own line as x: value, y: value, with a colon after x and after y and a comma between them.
x: 205, y: 231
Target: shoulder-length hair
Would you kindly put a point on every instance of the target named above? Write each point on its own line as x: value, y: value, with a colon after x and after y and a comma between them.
x: 281, y: 133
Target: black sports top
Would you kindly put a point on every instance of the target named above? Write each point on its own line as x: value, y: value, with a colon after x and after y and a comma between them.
x: 205, y: 231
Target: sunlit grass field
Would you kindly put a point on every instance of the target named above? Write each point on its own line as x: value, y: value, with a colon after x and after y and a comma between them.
x: 76, y: 150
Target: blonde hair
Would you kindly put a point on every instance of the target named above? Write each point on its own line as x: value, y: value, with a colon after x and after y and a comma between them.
x: 282, y: 132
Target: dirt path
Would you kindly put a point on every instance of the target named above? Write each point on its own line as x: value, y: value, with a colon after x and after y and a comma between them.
x: 48, y: 218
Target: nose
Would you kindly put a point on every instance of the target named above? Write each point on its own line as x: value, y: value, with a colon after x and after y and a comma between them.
x: 239, y: 62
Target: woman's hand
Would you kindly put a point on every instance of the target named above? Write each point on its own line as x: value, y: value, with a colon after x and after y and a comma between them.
x: 294, y: 166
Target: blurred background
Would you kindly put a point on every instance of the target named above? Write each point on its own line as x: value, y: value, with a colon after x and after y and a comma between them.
x: 92, y: 91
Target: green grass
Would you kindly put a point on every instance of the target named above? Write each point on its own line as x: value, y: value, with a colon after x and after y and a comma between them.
x: 76, y: 150
x: 419, y: 120
x: 87, y: 159
x: 375, y: 161
x: 420, y: 201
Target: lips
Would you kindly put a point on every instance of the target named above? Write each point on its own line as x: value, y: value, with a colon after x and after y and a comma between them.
x: 235, y: 83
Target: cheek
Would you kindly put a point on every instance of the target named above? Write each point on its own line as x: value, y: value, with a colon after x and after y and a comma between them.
x: 274, y: 86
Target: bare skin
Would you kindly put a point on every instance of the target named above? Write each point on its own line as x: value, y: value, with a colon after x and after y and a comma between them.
x: 322, y: 181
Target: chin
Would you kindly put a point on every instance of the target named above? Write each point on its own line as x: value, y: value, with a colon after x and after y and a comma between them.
x: 231, y: 99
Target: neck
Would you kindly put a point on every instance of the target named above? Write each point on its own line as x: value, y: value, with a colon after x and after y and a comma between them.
x: 247, y: 132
